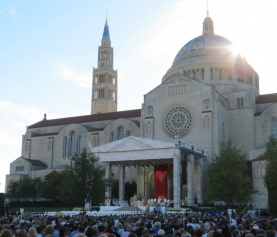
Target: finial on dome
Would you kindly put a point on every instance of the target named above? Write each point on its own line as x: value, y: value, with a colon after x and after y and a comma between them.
x: 208, y: 26
x: 207, y: 7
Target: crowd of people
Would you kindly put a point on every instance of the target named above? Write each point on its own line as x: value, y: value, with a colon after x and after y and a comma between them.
x: 143, y: 225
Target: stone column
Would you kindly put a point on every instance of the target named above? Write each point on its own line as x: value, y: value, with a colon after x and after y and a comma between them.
x: 108, y: 171
x: 190, y: 179
x: 200, y: 180
x: 169, y: 189
x: 121, y: 190
x: 176, y: 180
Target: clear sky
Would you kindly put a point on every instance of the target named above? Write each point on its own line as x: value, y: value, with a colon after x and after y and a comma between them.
x: 48, y: 49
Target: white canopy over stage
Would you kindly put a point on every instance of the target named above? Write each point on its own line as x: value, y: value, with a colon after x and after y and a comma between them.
x: 131, y: 151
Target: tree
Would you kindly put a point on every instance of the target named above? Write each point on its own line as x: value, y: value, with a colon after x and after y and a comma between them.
x: 84, y: 180
x: 271, y: 173
x: 13, y: 190
x: 227, y: 176
x: 51, y: 185
x: 25, y: 188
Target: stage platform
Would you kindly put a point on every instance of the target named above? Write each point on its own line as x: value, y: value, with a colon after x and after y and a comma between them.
x: 120, y: 208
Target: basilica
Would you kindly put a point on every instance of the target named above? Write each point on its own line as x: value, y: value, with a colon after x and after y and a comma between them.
x: 209, y: 95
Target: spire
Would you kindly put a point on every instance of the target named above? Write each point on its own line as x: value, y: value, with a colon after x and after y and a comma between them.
x: 106, y: 33
x: 207, y: 7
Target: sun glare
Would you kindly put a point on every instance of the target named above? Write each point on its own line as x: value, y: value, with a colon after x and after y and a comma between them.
x: 235, y: 50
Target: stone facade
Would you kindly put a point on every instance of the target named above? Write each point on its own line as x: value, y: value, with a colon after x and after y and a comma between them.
x: 208, y: 96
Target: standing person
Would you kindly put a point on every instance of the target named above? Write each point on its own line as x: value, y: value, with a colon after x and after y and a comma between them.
x: 49, y: 231
x: 128, y: 230
x: 63, y: 232
x: 100, y: 230
x: 157, y: 227
x: 39, y: 231
x: 6, y: 233
x: 207, y: 229
x: 90, y: 232
x: 56, y: 231
x: 22, y: 233
x: 140, y: 229
x: 32, y: 232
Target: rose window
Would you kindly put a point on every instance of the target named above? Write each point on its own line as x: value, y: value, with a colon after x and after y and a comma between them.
x: 177, y: 121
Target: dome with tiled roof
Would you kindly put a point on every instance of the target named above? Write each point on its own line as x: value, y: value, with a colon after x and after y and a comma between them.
x: 212, y: 59
x: 205, y: 45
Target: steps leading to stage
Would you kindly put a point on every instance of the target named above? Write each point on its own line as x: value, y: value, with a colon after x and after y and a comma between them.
x: 130, y: 208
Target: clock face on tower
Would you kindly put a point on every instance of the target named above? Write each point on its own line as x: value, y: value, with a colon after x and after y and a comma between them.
x: 177, y: 120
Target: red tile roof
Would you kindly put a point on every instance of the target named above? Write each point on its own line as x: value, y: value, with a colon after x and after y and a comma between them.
x: 267, y: 98
x: 88, y: 118
x: 36, y: 162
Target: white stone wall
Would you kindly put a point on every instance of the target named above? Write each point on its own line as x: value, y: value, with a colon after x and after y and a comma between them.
x: 192, y: 99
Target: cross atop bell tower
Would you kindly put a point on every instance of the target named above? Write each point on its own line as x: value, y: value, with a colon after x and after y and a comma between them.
x: 104, y: 79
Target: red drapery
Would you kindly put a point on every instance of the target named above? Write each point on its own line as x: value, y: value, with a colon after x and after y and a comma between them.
x: 160, y: 181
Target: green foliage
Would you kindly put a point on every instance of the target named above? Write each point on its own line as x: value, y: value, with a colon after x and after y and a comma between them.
x: 227, y: 176
x: 51, y: 185
x: 84, y: 180
x: 81, y: 182
x: 26, y: 188
x: 271, y: 173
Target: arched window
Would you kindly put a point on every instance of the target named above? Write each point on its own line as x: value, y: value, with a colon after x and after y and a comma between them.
x: 120, y: 133
x: 112, y: 137
x: 128, y: 133
x: 212, y: 74
x: 274, y: 127
x: 65, y: 147
x: 202, y: 74
x: 73, y: 143
x: 80, y: 144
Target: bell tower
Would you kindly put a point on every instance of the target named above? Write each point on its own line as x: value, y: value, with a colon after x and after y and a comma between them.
x: 104, y: 78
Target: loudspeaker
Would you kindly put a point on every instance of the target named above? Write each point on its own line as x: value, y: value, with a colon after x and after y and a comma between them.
x: 2, y: 204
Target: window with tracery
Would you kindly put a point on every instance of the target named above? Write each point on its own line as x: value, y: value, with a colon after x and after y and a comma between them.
x: 120, y: 133
x: 65, y: 147
x: 80, y: 144
x: 112, y: 137
x: 73, y: 143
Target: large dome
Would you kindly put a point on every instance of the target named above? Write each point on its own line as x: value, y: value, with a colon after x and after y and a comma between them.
x: 211, y: 59
x: 204, y: 45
